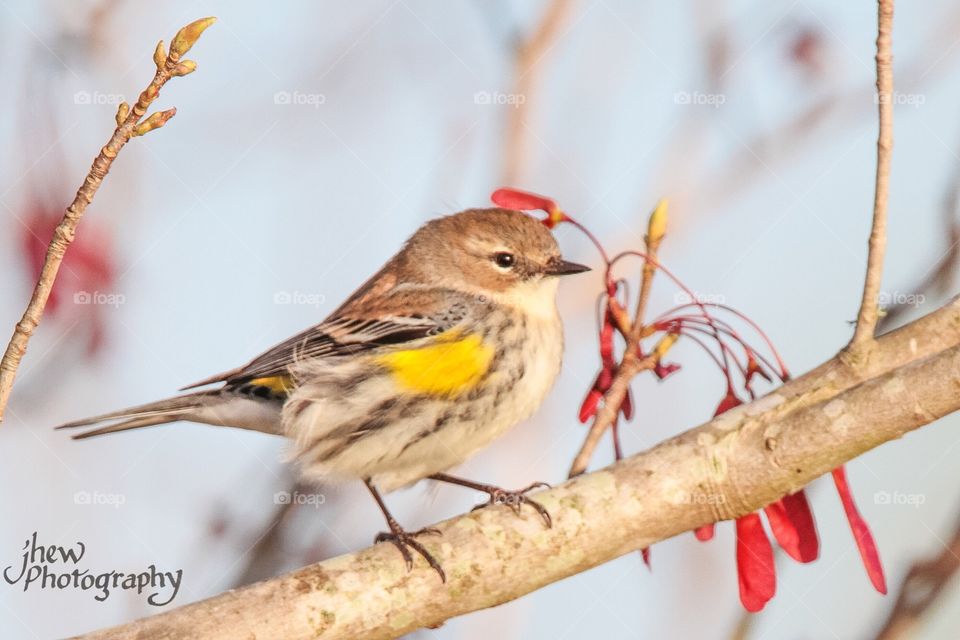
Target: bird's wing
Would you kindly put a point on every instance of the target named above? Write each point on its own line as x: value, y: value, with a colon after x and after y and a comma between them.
x: 353, y: 330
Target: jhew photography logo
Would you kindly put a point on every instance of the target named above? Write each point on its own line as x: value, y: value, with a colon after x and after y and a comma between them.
x: 56, y: 567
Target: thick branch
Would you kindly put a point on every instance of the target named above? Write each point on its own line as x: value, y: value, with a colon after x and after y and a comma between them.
x: 867, y: 318
x: 733, y: 465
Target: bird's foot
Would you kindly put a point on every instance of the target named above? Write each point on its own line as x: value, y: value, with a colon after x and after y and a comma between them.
x: 516, y: 499
x: 405, y: 541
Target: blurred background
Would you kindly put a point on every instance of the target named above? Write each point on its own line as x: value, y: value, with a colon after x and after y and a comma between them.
x: 316, y: 136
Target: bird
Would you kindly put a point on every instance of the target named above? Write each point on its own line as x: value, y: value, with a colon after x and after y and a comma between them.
x: 454, y: 341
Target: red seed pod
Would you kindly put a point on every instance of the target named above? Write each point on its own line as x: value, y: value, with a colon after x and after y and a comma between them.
x: 704, y: 533
x: 626, y: 407
x: 861, y: 532
x: 522, y: 200
x: 589, y: 407
x: 755, y: 569
x: 525, y: 201
x: 662, y: 370
x: 793, y: 526
x: 729, y: 402
x: 606, y: 340
x: 754, y: 368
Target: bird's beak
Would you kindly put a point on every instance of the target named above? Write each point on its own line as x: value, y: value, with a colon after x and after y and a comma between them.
x: 560, y: 267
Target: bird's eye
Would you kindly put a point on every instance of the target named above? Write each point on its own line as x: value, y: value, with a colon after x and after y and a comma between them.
x: 504, y: 260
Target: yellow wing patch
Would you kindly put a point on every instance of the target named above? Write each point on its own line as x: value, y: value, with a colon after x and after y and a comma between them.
x: 278, y: 384
x: 447, y: 367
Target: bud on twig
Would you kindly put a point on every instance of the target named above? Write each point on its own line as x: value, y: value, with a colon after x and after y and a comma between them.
x: 657, y: 226
x: 159, y: 55
x: 122, y: 112
x: 188, y: 36
x: 155, y: 121
x: 665, y: 343
x: 185, y: 67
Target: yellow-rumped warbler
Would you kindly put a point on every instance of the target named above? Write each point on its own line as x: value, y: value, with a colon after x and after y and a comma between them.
x: 455, y: 340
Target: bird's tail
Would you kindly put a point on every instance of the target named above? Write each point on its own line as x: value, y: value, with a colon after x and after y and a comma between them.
x: 220, y: 407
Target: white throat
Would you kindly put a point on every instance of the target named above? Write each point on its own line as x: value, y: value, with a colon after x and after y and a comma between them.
x: 536, y: 298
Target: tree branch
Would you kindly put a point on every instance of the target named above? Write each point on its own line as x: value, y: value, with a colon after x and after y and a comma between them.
x: 867, y: 318
x: 632, y: 363
x: 129, y: 125
x: 528, y: 56
x: 741, y: 460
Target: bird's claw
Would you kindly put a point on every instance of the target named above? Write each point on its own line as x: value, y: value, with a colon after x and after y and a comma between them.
x: 515, y: 499
x: 405, y: 541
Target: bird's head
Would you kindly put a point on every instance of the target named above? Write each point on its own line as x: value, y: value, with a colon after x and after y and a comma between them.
x: 493, y: 252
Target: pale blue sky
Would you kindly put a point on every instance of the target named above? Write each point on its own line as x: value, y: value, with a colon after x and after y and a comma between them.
x: 245, y: 195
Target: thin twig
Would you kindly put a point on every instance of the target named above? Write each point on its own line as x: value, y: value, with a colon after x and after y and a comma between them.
x: 632, y: 363
x: 130, y: 123
x: 869, y: 312
x: 656, y: 230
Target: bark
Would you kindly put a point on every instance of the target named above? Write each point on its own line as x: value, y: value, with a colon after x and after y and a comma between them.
x: 730, y: 466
